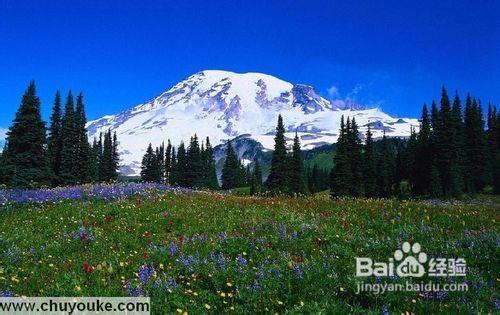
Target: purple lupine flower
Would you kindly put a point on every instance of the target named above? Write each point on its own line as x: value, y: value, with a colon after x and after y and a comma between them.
x: 222, y: 261
x: 385, y: 311
x: 298, y: 272
x: 223, y: 237
x: 496, y: 304
x: 260, y: 274
x: 173, y: 248
x: 203, y: 237
x: 6, y: 293
x: 242, y: 262
x: 282, y: 231
x: 145, y: 273
x: 171, y: 284
x: 255, y: 285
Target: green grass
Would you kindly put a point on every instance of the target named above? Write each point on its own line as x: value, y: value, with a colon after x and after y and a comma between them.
x: 272, y: 236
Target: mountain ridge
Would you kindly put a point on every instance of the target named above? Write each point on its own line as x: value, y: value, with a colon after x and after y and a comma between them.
x: 224, y: 105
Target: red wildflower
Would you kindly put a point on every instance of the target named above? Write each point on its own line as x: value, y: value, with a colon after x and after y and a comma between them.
x: 87, y: 267
x: 317, y: 241
x: 146, y: 255
x: 297, y: 258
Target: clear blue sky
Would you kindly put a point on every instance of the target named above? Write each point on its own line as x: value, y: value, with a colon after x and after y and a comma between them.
x: 121, y: 53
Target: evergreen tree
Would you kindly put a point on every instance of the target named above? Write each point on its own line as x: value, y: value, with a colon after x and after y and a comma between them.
x: 194, y: 164
x: 435, y: 188
x: 209, y: 166
x: 150, y: 168
x: 369, y: 166
x: 445, y: 148
x: 492, y: 144
x: 168, y: 163
x: 297, y: 183
x: 115, y: 158
x: 69, y: 169
x: 82, y: 147
x: 108, y: 162
x: 277, y: 181
x: 174, y: 173
x: 257, y: 177
x: 231, y: 169
x: 94, y: 161
x: 423, y: 156
x: 354, y: 159
x: 55, y: 139
x: 341, y: 175
x: 181, y: 165
x: 100, y: 159
x: 26, y: 156
x: 474, y: 139
x: 160, y: 155
x: 385, y: 169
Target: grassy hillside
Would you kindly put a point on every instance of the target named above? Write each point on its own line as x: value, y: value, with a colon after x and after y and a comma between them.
x: 209, y: 252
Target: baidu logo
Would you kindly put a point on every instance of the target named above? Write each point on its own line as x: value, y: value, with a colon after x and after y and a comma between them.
x: 410, y: 261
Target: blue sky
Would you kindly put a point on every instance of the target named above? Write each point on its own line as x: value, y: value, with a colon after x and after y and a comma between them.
x: 120, y: 53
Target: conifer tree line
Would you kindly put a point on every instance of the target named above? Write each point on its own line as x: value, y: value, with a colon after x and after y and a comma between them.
x: 33, y: 157
x: 287, y: 174
x: 453, y: 153
x: 192, y: 167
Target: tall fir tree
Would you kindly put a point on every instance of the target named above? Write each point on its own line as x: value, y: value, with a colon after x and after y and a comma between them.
x: 82, y: 147
x: 194, y: 164
x: 69, y: 140
x: 168, y: 162
x: 108, y: 162
x: 94, y: 161
x: 150, y: 168
x: 55, y: 139
x: 115, y: 158
x: 257, y: 177
x: 181, y: 165
x: 160, y: 155
x: 369, y: 166
x: 445, y: 148
x: 474, y: 139
x: 26, y: 155
x: 209, y: 166
x: 277, y: 181
x: 174, y: 172
x: 341, y: 175
x: 297, y: 180
x: 385, y: 168
x: 355, y: 158
x: 492, y: 144
x: 423, y: 156
x: 231, y: 177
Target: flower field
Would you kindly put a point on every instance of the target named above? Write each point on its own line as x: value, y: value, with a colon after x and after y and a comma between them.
x: 207, y: 252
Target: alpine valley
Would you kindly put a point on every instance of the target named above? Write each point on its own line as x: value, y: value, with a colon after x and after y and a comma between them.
x: 241, y: 106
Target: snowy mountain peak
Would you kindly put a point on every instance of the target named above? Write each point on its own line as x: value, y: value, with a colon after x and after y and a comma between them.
x: 223, y: 105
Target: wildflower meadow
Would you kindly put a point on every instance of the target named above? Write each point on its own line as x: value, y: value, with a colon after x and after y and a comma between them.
x: 206, y: 252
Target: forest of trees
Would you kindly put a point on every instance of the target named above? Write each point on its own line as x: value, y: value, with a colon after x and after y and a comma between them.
x: 452, y: 154
x: 455, y: 152
x: 452, y: 143
x: 33, y: 157
x: 192, y: 167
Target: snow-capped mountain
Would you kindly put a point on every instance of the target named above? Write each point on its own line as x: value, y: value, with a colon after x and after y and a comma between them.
x: 224, y: 105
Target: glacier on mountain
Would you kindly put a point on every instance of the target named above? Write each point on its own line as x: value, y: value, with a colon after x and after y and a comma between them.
x: 224, y: 105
